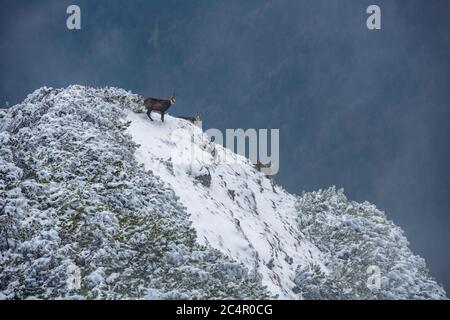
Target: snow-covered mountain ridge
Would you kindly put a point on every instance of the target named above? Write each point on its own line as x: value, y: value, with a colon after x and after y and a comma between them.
x: 239, y: 211
x: 155, y: 210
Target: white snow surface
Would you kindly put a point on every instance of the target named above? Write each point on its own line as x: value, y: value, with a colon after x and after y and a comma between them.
x: 241, y: 213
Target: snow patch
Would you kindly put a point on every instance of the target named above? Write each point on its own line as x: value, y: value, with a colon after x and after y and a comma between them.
x: 241, y: 213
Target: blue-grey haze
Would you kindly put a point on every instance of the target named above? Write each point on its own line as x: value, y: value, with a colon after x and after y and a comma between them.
x: 364, y: 110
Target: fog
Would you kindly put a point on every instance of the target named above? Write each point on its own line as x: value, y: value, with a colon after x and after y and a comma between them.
x: 364, y: 110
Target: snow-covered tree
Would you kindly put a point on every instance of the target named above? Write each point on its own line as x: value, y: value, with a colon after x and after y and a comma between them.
x: 352, y: 238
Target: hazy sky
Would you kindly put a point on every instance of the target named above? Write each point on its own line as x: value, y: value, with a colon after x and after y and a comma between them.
x: 364, y: 110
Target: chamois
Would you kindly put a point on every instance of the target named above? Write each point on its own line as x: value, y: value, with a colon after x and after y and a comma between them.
x: 259, y: 165
x: 195, y: 120
x: 158, y: 105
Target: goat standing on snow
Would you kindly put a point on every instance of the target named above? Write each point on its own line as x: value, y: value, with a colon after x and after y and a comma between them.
x: 158, y: 105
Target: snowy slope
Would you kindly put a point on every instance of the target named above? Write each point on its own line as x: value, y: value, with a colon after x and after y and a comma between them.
x: 242, y: 213
x: 156, y: 211
x: 75, y: 204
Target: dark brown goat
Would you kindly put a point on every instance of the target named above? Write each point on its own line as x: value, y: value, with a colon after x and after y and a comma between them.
x: 158, y: 105
x: 195, y: 120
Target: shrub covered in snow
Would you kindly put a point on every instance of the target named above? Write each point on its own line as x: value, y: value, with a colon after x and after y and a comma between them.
x: 353, y: 237
x: 73, y: 197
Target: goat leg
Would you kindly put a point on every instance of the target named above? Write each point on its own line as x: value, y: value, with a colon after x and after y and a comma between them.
x: 149, y: 114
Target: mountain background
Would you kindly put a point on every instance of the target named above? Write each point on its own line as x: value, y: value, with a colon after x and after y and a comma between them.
x: 174, y: 216
x: 359, y: 109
